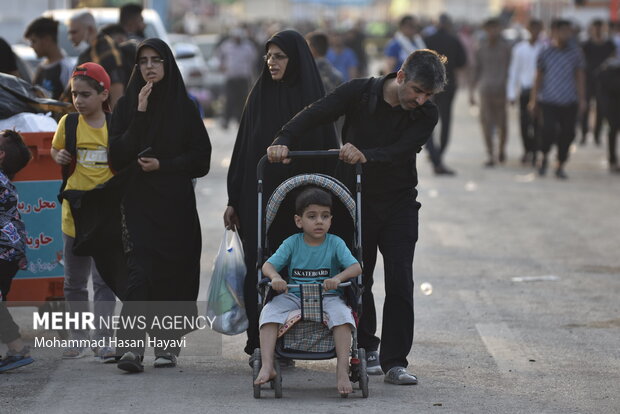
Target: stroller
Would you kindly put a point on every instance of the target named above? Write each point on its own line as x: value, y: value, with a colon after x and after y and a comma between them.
x: 309, y: 338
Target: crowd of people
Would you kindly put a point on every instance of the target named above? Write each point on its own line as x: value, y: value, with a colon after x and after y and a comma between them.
x: 138, y: 132
x: 496, y: 71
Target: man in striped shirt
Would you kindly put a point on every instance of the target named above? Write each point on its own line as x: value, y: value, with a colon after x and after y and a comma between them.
x: 559, y: 91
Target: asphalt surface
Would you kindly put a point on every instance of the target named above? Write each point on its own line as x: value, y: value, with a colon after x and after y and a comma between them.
x: 523, y: 316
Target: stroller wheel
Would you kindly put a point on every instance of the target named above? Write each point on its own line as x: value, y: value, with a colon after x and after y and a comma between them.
x: 256, y: 365
x: 363, y: 375
x: 277, y: 382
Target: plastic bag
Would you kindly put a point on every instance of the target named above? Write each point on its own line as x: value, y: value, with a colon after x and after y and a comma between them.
x: 225, y: 300
x: 29, y: 122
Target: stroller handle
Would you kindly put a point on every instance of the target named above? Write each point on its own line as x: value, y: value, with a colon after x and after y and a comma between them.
x: 314, y: 154
x: 345, y: 284
x: 332, y: 153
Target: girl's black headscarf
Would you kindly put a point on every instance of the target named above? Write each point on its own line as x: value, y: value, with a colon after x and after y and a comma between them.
x: 168, y: 104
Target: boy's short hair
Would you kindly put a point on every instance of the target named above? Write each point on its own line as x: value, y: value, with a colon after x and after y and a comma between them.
x: 43, y: 26
x: 16, y: 153
x: 312, y: 195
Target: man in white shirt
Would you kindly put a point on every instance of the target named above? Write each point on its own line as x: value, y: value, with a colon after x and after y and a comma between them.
x: 521, y: 75
x: 238, y: 62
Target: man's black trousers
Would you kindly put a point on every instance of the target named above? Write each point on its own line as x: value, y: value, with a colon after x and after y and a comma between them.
x: 394, y: 230
x: 528, y: 123
x: 558, y: 128
x: 443, y: 101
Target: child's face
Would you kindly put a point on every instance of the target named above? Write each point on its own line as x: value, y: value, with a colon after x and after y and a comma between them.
x: 315, y: 221
x: 86, y: 99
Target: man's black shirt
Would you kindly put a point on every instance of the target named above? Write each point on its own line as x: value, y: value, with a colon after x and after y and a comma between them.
x: 450, y: 46
x: 107, y: 54
x: 389, y: 137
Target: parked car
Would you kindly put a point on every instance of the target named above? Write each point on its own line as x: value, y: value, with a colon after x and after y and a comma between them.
x: 189, y: 59
x: 193, y: 69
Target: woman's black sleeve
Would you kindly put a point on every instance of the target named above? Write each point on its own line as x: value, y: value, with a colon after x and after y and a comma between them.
x: 195, y: 160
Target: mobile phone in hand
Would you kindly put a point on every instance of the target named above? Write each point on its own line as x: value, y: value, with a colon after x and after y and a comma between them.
x: 146, y: 153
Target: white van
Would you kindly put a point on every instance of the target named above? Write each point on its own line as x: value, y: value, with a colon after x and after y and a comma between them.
x: 103, y: 16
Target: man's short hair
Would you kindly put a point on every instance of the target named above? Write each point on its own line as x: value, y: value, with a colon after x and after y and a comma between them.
x: 41, y: 27
x: 16, y: 153
x: 86, y: 18
x: 113, y: 29
x: 445, y: 20
x: 319, y: 42
x: 406, y: 20
x: 129, y: 11
x: 427, y: 68
x: 312, y: 195
x: 560, y: 23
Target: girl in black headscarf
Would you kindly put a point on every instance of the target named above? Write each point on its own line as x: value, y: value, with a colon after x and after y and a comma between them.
x: 157, y: 135
x: 289, y: 82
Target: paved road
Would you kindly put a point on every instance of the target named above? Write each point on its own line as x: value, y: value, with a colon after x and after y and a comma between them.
x: 485, y: 342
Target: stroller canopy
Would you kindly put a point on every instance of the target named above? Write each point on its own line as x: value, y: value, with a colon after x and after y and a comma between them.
x: 324, y: 181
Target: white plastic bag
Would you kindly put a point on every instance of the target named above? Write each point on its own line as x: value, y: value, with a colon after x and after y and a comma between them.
x: 225, y: 300
x: 29, y: 122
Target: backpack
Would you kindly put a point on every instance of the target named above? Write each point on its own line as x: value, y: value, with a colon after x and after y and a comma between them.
x: 368, y: 100
x: 71, y: 124
x: 371, y: 95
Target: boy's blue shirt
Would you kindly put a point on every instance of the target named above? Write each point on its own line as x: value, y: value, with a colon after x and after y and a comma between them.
x: 312, y: 264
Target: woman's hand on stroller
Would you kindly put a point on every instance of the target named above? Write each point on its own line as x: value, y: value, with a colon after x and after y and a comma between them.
x: 231, y: 220
x: 278, y: 284
x: 278, y: 153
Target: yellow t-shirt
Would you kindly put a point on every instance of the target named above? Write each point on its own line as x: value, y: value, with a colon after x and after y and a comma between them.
x: 91, y: 168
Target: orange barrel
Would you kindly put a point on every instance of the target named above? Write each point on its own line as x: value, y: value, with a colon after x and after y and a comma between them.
x: 37, y: 185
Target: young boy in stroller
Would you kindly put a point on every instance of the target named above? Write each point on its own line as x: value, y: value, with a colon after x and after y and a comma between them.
x: 313, y: 256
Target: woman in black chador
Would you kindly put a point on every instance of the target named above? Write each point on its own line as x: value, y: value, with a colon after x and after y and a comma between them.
x: 289, y: 82
x: 158, y: 137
